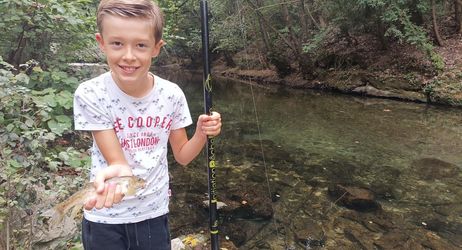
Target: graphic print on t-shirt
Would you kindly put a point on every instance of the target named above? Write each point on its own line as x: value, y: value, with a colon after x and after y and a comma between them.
x: 143, y: 138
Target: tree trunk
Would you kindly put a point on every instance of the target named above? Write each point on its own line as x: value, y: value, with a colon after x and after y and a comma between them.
x: 310, y: 16
x: 381, y: 35
x: 263, y: 32
x: 229, y: 59
x: 303, y: 21
x: 15, y: 56
x: 458, y: 15
x: 303, y: 60
x: 288, y: 23
x: 439, y: 40
x: 267, y: 23
x: 322, y: 22
x: 416, y: 15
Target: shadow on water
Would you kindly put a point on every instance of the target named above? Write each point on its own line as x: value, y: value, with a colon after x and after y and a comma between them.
x: 326, y: 171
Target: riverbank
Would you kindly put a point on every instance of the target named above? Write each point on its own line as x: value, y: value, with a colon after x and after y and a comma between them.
x: 401, y: 72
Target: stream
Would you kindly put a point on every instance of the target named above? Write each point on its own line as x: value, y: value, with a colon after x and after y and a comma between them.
x: 317, y: 170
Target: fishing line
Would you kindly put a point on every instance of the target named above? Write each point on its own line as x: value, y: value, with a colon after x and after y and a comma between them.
x: 268, y: 185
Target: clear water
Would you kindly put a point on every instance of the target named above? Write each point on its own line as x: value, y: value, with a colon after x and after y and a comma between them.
x: 371, y: 130
x: 374, y: 135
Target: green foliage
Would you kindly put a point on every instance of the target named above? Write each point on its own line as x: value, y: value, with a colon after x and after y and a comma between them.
x: 32, y: 125
x: 182, y: 31
x: 309, y: 26
x: 227, y: 27
x: 395, y: 17
x: 316, y: 42
x: 402, y: 28
x: 182, y: 28
x: 48, y: 30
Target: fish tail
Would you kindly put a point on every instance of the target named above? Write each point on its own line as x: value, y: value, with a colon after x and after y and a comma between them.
x: 58, y: 212
x: 56, y: 215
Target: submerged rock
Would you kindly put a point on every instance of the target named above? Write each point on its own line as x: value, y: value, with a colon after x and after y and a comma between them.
x: 247, y: 202
x: 431, y: 168
x: 339, y: 171
x: 448, y: 229
x: 308, y: 233
x: 356, y: 198
x: 387, y: 184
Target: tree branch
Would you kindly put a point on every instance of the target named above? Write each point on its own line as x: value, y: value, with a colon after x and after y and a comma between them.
x: 178, y: 7
x: 267, y: 23
x: 182, y: 4
x: 314, y: 20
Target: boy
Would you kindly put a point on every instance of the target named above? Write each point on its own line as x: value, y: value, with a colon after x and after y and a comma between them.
x: 132, y: 114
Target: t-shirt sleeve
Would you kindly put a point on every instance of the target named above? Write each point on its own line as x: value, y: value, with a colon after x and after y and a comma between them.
x: 90, y: 112
x: 182, y: 116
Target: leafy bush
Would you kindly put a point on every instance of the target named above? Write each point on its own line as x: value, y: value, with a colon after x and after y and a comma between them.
x: 33, y: 124
x: 402, y: 28
x: 393, y: 20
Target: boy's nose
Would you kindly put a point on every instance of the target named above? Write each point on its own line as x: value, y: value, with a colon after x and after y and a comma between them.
x: 128, y: 55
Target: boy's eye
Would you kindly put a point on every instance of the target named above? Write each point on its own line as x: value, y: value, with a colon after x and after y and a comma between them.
x: 116, y: 43
x: 142, y: 45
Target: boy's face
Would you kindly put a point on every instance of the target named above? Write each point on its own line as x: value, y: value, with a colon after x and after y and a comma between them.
x: 129, y: 46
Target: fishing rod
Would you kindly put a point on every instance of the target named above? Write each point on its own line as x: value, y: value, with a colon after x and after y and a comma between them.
x: 210, y: 152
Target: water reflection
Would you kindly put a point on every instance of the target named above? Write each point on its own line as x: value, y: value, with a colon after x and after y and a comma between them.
x: 408, y: 155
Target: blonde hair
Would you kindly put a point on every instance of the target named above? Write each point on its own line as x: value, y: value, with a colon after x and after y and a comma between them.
x: 146, y: 9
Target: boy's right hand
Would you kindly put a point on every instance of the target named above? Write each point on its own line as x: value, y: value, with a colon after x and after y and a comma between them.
x: 108, y: 194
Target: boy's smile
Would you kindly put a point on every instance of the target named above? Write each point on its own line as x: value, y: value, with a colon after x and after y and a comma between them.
x: 129, y: 46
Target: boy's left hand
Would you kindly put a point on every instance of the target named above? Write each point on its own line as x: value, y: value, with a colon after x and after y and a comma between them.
x: 209, y: 125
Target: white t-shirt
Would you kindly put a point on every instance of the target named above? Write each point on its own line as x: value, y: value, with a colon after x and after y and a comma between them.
x: 143, y: 127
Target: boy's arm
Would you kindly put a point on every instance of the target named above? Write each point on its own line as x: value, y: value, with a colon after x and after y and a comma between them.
x: 185, y: 150
x: 109, y: 146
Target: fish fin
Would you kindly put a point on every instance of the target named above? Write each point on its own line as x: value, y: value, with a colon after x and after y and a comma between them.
x: 130, y: 192
x: 75, y: 211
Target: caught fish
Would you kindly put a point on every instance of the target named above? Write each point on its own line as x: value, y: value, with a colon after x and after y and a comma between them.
x: 129, y: 185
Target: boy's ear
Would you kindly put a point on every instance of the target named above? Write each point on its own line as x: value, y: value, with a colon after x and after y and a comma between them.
x: 157, y: 48
x: 99, y: 39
